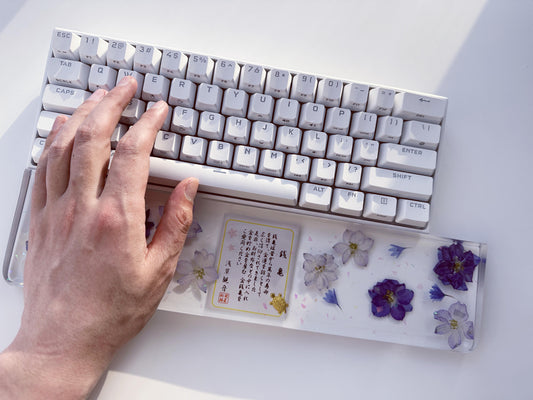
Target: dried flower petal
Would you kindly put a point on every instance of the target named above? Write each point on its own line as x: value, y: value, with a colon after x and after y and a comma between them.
x: 355, y: 244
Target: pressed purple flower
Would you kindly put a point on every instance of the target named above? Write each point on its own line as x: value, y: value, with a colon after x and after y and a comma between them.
x: 391, y: 297
x: 395, y: 250
x: 331, y: 297
x: 149, y: 225
x: 320, y: 270
x: 354, y: 244
x: 455, y: 322
x: 435, y: 293
x: 455, y: 266
x: 200, y: 270
x: 194, y: 230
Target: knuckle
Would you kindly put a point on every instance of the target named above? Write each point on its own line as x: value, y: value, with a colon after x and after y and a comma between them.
x: 128, y: 145
x: 57, y: 149
x: 108, y: 218
x: 183, y: 219
x: 86, y: 132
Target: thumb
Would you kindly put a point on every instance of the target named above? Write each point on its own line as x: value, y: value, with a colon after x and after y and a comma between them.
x: 171, y: 232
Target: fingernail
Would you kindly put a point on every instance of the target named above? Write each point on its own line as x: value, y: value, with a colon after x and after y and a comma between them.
x: 160, y: 106
x: 125, y: 81
x: 191, y: 189
x: 98, y: 95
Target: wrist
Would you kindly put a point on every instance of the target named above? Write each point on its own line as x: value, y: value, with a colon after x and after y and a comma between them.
x: 28, y: 373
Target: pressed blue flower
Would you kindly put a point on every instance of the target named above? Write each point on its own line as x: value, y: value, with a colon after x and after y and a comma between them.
x: 331, y: 297
x: 435, y: 293
x: 194, y: 230
x: 355, y: 244
x: 455, y: 322
x: 456, y: 266
x: 395, y: 250
x: 391, y: 297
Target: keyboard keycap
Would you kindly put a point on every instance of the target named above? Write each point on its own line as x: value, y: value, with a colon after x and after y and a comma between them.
x: 323, y: 171
x: 200, y: 69
x: 347, y: 202
x: 329, y: 92
x: 173, y: 64
x: 62, y: 99
x: 167, y: 145
x: 93, y: 50
x: 66, y: 45
x: 184, y: 120
x: 380, y: 101
x: 226, y: 74
x: 235, y: 103
x: 412, y: 213
x: 406, y: 158
x: 315, y: 197
x: 348, y: 176
x: 138, y: 77
x: 261, y: 107
x: 246, y: 159
x: 396, y: 183
x: 363, y: 125
x: 120, y: 55
x: 226, y: 182
x: 37, y: 149
x: 418, y: 107
x: 155, y: 88
x: 297, y: 167
x: 46, y: 122
x: 381, y: 208
x: 208, y: 98
x: 182, y: 93
x: 287, y: 112
x: 389, y: 129
x: 314, y: 144
x: 278, y: 83
x: 220, y: 154
x: 271, y: 163
x: 102, y: 77
x: 355, y: 96
x: 68, y: 73
x: 304, y: 88
x: 147, y: 59
x: 252, y: 78
x: 312, y: 116
x: 133, y: 111
x: 421, y: 134
x: 193, y: 149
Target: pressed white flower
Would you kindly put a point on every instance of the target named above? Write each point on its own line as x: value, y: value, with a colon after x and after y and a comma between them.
x: 455, y: 323
x: 201, y: 270
x: 320, y: 270
x: 355, y: 244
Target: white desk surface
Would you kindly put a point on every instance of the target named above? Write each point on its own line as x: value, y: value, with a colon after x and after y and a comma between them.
x: 478, y: 53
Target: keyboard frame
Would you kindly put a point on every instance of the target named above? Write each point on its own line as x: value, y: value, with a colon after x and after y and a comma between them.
x: 296, y: 209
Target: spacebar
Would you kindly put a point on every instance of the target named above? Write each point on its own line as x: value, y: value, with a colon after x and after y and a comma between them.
x: 225, y: 182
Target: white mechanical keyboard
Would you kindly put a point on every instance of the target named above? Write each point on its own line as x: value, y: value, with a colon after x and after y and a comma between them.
x: 258, y: 133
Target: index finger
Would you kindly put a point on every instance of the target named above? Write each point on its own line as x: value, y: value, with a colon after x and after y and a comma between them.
x: 128, y: 174
x: 91, y: 150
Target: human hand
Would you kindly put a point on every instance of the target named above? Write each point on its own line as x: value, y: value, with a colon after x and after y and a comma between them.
x: 91, y: 282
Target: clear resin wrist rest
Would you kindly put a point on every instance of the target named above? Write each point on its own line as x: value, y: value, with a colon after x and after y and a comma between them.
x: 339, y: 277
x: 355, y: 279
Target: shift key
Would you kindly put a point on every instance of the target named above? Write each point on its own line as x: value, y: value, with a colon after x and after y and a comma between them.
x: 397, y: 183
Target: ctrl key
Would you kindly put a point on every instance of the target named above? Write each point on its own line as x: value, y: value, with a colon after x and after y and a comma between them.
x: 412, y: 213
